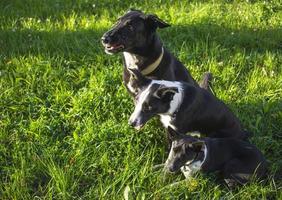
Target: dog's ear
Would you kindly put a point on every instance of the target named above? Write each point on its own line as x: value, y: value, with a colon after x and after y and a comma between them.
x: 155, y: 22
x: 166, y: 93
x: 197, y: 146
x: 172, y: 134
x: 138, y: 78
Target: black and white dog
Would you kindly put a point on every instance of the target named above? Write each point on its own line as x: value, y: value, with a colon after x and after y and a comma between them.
x: 236, y: 160
x: 134, y: 34
x: 184, y: 107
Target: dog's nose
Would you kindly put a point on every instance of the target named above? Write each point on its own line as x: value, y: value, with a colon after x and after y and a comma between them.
x: 105, y: 39
x: 170, y: 169
x: 131, y: 123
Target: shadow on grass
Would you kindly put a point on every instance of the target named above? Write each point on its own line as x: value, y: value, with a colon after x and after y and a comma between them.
x: 87, y: 42
x: 246, y: 39
x: 56, y: 43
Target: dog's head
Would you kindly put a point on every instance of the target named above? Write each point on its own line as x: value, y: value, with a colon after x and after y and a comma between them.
x: 184, y: 148
x: 132, y: 30
x: 153, y: 97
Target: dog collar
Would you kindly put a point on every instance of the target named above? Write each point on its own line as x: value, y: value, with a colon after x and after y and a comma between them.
x: 150, y: 68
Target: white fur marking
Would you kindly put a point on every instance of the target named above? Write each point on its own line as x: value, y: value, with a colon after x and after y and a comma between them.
x: 174, y: 104
x: 166, y: 119
x: 140, y: 101
x: 190, y: 169
x: 176, y: 101
x: 130, y: 60
x: 129, y: 86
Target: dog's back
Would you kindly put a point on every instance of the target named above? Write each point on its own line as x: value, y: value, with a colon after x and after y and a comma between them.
x: 239, y: 161
x: 201, y: 111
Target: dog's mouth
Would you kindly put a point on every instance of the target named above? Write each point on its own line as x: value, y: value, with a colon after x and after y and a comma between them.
x: 113, y: 48
x: 139, y: 127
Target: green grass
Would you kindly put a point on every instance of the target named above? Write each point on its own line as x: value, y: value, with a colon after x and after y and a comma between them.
x: 64, y: 109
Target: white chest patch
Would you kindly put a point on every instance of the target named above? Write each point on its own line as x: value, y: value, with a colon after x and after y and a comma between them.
x: 166, y: 121
x: 131, y: 89
x: 131, y: 63
x: 130, y: 60
x: 190, y: 169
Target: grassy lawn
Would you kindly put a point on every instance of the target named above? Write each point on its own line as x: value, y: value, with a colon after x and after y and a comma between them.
x: 64, y: 109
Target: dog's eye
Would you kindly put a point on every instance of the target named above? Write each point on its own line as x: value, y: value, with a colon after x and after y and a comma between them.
x: 130, y: 27
x: 146, y: 107
x: 177, y: 149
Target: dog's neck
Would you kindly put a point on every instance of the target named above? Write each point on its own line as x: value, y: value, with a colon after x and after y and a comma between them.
x: 146, y: 59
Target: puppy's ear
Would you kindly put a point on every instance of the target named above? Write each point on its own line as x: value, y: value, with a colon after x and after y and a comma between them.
x: 166, y: 93
x: 197, y: 146
x: 138, y: 78
x: 155, y: 22
x: 172, y: 134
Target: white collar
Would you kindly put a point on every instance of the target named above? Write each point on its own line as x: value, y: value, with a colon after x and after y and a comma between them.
x: 150, y: 68
x: 130, y: 60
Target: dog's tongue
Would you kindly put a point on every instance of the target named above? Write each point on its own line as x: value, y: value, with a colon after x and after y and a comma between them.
x: 116, y: 45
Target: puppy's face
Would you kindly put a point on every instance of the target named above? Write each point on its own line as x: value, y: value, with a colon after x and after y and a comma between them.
x: 180, y: 153
x: 153, y: 100
x: 133, y: 30
x: 184, y: 148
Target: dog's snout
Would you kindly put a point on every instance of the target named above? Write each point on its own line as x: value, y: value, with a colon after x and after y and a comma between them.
x: 109, y: 37
x: 131, y: 123
x: 169, y: 168
x: 105, y: 39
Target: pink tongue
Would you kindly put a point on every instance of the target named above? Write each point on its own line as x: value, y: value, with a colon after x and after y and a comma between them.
x: 116, y: 45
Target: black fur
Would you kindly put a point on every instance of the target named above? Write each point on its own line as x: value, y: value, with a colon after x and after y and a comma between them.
x: 236, y: 160
x: 199, y: 110
x: 135, y: 33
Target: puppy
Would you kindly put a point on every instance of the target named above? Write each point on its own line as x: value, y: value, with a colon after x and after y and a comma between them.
x: 236, y: 160
x: 184, y: 107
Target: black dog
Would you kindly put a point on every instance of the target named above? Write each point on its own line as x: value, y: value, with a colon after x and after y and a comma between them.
x: 236, y: 160
x: 184, y: 107
x: 134, y: 34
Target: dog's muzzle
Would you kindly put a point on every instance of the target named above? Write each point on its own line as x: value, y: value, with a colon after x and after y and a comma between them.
x: 111, y: 44
x: 135, y: 124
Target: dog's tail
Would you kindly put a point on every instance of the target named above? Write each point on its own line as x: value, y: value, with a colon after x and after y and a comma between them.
x: 206, y: 82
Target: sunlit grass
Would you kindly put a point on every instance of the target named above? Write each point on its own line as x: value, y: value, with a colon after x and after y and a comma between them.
x: 64, y: 110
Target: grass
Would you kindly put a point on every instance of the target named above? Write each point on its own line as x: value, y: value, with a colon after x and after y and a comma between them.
x: 64, y: 110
